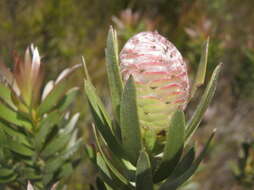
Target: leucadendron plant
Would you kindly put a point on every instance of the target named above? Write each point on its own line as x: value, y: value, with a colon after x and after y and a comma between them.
x: 145, y: 143
x: 38, y: 135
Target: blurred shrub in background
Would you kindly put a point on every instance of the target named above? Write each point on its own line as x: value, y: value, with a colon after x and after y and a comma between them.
x: 244, y: 168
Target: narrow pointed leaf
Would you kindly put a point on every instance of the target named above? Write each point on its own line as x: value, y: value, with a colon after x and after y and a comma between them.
x: 96, y: 103
x: 173, y: 147
x: 53, y: 165
x: 103, y: 165
x: 201, y: 73
x: 53, y: 98
x: 174, y: 184
x: 68, y: 98
x: 5, y: 95
x: 108, y: 136
x: 19, y: 148
x: 4, y: 172
x: 8, y: 179
x: 105, y: 174
x: 110, y: 165
x: 57, y: 144
x: 58, y: 91
x: 3, y: 137
x: 115, y: 161
x: 31, y: 173
x: 13, y: 117
x: 196, y: 118
x: 45, y: 127
x: 184, y: 164
x: 15, y: 133
x: 62, y: 139
x: 101, y: 119
x: 144, y: 179
x: 113, y: 72
x: 86, y: 73
x: 130, y: 129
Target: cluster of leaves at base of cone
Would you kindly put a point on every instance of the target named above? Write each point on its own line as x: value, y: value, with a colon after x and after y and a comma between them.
x: 38, y: 144
x: 126, y: 158
x: 244, y: 169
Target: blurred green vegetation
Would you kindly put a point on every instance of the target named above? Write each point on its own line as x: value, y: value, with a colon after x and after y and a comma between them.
x: 64, y: 30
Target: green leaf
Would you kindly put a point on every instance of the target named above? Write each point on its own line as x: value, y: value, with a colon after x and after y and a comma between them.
x: 101, y: 119
x: 47, y: 178
x: 105, y: 174
x: 66, y: 170
x: 13, y: 117
x: 174, y: 184
x: 4, y: 172
x: 4, y: 180
x: 5, y: 95
x: 113, y: 144
x: 18, y: 148
x: 68, y: 98
x: 45, y: 127
x: 86, y: 73
x: 173, y: 147
x: 59, y: 88
x: 113, y: 73
x: 3, y: 137
x: 129, y: 122
x: 90, y: 152
x: 52, y: 99
x: 96, y: 104
x: 61, y: 140
x: 12, y: 144
x: 56, y: 145
x: 144, y: 179
x: 184, y: 164
x: 15, y: 133
x: 111, y: 166
x: 52, y: 165
x: 102, y: 165
x: 31, y: 173
x: 118, y: 163
x: 196, y: 118
x: 201, y: 73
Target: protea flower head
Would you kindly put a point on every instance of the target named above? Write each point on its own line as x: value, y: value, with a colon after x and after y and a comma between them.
x: 160, y: 75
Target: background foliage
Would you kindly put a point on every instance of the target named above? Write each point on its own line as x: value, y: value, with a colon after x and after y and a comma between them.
x: 64, y: 30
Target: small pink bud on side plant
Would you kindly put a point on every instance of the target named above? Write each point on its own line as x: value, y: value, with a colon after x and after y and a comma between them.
x: 26, y: 79
x: 160, y: 76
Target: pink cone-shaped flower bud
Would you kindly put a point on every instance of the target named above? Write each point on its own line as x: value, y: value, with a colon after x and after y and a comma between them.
x: 160, y: 75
